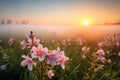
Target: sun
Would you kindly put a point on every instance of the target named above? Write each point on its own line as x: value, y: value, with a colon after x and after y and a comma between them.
x: 86, y: 22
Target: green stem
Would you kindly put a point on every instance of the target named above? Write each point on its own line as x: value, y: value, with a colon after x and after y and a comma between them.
x: 41, y: 72
x: 31, y: 77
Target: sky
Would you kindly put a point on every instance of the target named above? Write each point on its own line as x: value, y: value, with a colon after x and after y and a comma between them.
x: 61, y: 12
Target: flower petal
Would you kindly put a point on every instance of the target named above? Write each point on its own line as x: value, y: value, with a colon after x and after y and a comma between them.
x: 30, y: 67
x: 34, y: 55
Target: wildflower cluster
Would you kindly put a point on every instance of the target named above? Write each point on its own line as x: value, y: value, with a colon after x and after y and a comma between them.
x: 98, y: 60
x: 31, y: 41
x: 41, y: 55
x: 108, y: 48
x: 104, y: 58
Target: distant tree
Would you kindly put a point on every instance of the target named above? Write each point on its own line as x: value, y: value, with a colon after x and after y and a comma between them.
x: 2, y: 22
x: 9, y: 21
x: 24, y: 22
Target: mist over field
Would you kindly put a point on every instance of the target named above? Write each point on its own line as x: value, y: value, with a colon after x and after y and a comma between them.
x: 89, y: 32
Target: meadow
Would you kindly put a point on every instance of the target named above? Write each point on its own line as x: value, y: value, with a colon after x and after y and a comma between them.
x: 58, y: 54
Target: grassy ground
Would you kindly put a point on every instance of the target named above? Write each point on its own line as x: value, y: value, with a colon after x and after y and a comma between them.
x: 86, y: 59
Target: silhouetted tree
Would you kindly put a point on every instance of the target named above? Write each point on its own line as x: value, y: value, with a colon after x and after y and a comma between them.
x: 9, y: 21
x: 2, y: 22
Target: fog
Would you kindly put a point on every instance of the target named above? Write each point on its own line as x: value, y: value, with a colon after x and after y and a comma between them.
x: 10, y: 30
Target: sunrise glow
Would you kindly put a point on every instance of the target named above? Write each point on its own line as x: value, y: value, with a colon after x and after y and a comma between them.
x: 86, y: 22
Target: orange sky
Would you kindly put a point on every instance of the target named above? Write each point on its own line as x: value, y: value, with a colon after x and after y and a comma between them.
x: 61, y: 12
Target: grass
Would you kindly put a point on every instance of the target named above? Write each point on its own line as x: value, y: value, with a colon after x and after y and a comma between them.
x: 77, y: 68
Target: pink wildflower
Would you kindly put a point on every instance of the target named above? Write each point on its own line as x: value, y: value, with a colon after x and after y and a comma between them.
x: 101, y: 44
x: 3, y: 67
x: 100, y: 52
x: 11, y: 41
x: 28, y: 61
x: 109, y: 61
x: 52, y: 58
x: 62, y: 59
x: 101, y: 59
x: 23, y: 44
x: 57, y: 57
x: 50, y: 74
x: 32, y: 39
x: 85, y: 49
x: 118, y: 53
x: 39, y: 52
x: 117, y: 44
x: 31, y: 35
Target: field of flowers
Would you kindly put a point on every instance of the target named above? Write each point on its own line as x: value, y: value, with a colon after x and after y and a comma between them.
x: 51, y: 57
